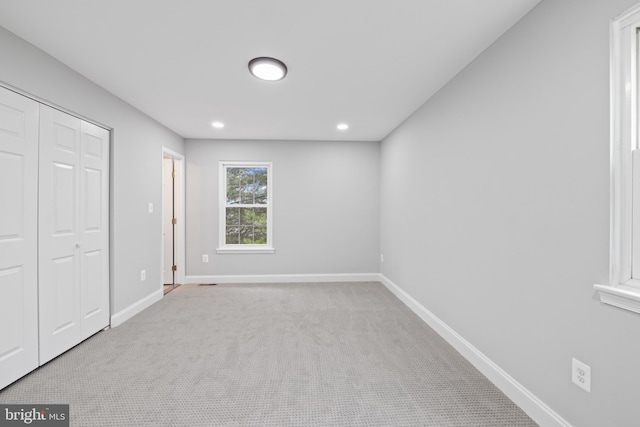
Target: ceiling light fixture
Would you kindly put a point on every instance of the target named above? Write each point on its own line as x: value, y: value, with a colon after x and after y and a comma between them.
x: 343, y: 126
x: 269, y: 69
x: 217, y: 125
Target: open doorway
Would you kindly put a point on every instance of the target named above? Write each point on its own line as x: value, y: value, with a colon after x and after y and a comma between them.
x: 172, y: 220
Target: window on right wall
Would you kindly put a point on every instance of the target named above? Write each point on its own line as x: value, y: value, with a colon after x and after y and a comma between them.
x: 623, y: 289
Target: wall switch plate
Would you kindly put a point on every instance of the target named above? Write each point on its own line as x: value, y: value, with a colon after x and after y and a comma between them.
x: 143, y: 275
x: 581, y: 375
x: 381, y: 258
x: 205, y: 258
x: 150, y: 207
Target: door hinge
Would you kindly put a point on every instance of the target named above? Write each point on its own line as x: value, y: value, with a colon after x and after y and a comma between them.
x: 174, y: 174
x: 174, y: 221
x: 174, y: 268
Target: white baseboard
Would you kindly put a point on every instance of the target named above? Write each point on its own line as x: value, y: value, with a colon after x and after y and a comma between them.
x: 522, y: 397
x: 285, y: 278
x: 123, y: 315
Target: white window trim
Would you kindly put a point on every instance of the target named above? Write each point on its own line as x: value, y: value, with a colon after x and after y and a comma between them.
x: 623, y: 290
x: 223, y: 248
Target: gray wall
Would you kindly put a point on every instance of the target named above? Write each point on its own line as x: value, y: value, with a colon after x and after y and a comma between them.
x: 325, y: 207
x: 136, y: 153
x: 495, y: 211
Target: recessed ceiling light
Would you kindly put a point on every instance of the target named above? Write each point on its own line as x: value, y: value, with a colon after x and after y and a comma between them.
x: 269, y: 69
x: 217, y: 125
x: 343, y: 126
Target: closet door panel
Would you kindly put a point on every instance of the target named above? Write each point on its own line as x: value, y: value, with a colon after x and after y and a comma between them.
x: 94, y: 228
x: 59, y: 234
x: 18, y: 236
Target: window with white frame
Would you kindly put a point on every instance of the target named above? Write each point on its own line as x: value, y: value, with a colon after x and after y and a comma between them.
x: 623, y: 289
x: 245, y: 207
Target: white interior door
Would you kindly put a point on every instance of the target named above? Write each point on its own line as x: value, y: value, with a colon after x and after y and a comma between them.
x: 18, y: 236
x: 73, y: 240
x: 59, y: 234
x: 94, y: 228
x: 167, y: 217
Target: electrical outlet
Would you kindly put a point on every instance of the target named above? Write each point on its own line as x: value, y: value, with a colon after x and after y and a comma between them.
x: 150, y: 207
x: 205, y: 258
x: 581, y: 375
x: 143, y: 275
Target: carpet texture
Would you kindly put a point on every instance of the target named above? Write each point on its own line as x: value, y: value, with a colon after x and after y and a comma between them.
x: 309, y: 354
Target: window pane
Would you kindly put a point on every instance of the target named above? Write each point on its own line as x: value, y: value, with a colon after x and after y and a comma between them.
x: 234, y: 177
x: 261, y: 186
x: 233, y: 216
x: 233, y: 236
x: 261, y: 194
x: 260, y: 217
x: 246, y: 235
x: 233, y: 195
x: 246, y: 216
x: 246, y: 197
x: 260, y: 235
x: 245, y: 179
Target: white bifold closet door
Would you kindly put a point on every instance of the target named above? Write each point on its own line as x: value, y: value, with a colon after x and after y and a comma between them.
x: 18, y: 236
x: 73, y: 235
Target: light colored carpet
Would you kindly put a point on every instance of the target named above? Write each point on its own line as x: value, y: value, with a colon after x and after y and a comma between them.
x: 331, y: 354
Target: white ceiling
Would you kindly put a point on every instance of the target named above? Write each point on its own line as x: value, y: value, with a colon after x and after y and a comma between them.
x: 370, y: 63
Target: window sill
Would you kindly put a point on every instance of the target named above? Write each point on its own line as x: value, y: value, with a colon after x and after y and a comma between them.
x: 246, y: 250
x: 622, y: 296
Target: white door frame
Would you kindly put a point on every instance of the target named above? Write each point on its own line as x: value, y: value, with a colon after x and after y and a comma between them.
x: 179, y: 207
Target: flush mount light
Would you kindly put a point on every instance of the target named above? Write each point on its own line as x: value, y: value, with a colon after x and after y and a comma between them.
x: 269, y: 69
x: 217, y: 125
x: 343, y: 126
